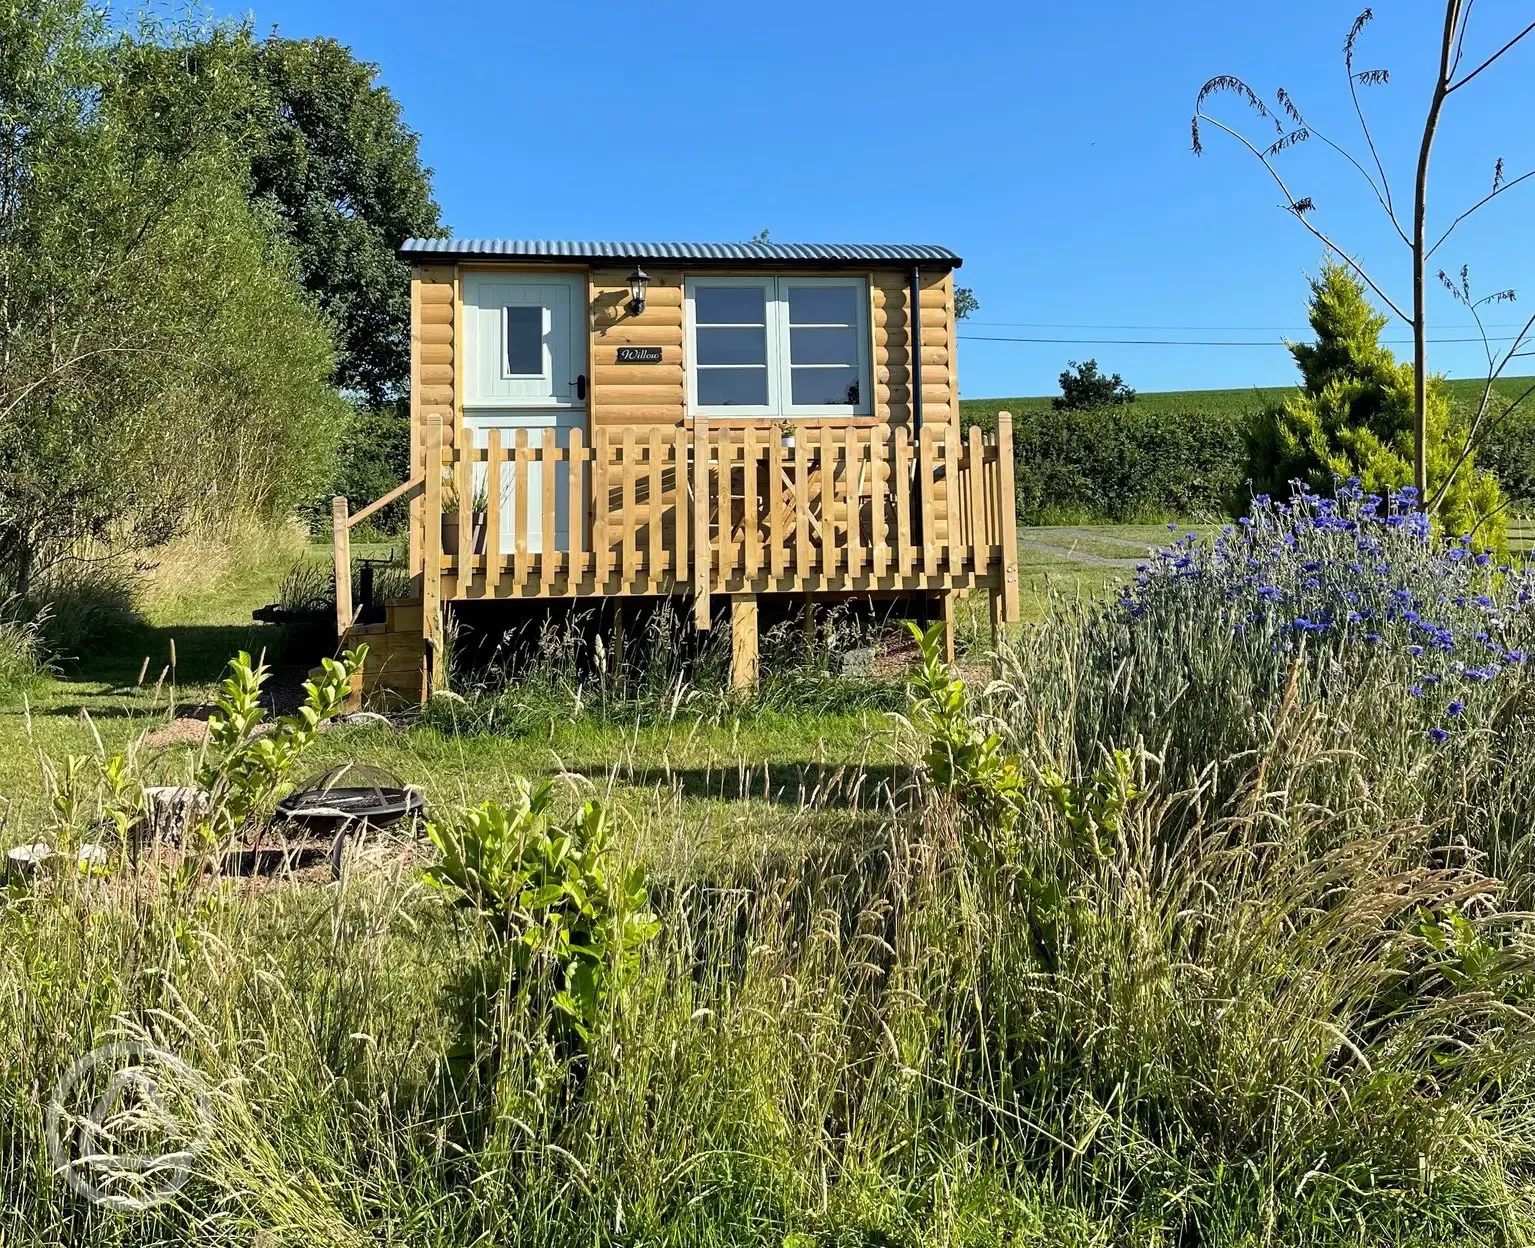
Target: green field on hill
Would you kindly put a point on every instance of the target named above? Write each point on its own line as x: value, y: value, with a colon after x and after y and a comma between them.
x: 1224, y: 402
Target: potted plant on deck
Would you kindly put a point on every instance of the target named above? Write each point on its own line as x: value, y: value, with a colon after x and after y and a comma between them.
x: 479, y: 504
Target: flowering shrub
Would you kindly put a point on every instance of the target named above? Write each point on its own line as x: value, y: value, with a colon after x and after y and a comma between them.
x: 1357, y: 583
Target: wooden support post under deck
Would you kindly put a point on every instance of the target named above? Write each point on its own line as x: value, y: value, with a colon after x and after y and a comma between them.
x: 743, y: 640
x: 341, y: 550
x: 946, y: 600
x: 995, y: 606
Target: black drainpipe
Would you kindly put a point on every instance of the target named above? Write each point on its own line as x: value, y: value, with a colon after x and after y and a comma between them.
x: 914, y: 348
x: 914, y: 378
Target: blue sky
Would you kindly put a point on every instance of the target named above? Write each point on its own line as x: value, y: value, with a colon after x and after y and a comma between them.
x: 1047, y: 144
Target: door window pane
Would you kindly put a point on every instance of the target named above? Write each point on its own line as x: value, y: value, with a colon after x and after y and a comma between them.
x: 730, y: 305
x: 823, y: 305
x: 524, y: 341
x: 732, y: 387
x: 732, y: 346
x: 824, y: 387
x: 823, y: 346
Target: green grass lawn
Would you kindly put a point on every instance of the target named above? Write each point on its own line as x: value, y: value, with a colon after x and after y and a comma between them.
x: 721, y: 775
x: 723, y: 772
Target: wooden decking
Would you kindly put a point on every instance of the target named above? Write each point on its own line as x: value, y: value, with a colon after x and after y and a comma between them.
x: 822, y: 512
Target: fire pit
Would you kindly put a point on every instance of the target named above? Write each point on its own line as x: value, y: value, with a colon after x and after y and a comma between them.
x: 346, y: 801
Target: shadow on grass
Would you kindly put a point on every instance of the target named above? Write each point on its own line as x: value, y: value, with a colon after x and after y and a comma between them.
x: 795, y: 784
x: 201, y: 652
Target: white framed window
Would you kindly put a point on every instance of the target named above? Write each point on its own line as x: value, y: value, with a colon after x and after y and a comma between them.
x: 778, y: 346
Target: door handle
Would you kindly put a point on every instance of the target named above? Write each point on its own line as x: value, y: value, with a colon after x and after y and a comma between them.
x: 580, y: 384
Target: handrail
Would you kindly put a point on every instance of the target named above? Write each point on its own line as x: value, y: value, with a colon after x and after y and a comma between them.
x: 341, y: 524
x: 401, y: 493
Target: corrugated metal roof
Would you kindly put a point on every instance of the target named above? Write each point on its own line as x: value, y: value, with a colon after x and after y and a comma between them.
x: 819, y: 254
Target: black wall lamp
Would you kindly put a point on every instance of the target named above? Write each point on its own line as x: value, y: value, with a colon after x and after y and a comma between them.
x: 637, y: 282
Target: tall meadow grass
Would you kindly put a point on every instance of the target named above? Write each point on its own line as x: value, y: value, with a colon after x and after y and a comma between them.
x: 1239, y: 954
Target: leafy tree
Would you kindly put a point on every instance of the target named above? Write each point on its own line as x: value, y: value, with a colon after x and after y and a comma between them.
x: 1353, y: 417
x: 343, y: 174
x: 158, y: 362
x: 1083, y: 386
x: 965, y: 303
x: 374, y: 458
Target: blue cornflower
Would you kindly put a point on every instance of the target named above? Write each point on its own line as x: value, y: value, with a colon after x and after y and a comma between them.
x: 1415, y: 690
x: 1438, y: 735
x: 1455, y: 709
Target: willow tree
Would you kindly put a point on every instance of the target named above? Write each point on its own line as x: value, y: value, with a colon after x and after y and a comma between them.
x: 1292, y: 129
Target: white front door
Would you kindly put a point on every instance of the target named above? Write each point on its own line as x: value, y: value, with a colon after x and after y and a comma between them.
x: 525, y: 368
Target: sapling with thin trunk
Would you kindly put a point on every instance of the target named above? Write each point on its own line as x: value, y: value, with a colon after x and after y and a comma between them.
x: 1291, y: 129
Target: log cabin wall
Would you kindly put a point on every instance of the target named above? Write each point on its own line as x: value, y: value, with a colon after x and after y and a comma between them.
x: 655, y: 394
x: 637, y: 394
x: 434, y: 364
x: 649, y: 395
x: 890, y: 295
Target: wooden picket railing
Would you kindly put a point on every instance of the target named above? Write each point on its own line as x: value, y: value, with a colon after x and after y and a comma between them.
x: 720, y: 510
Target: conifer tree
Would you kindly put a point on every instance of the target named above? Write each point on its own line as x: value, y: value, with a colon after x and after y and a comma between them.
x: 1353, y: 417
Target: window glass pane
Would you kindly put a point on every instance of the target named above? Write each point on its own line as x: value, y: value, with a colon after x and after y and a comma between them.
x: 524, y: 340
x: 725, y: 387
x: 729, y: 305
x: 820, y: 387
x: 823, y: 305
x: 823, y: 346
x: 732, y: 346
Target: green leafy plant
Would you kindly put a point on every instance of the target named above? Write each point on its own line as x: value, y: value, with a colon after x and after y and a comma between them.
x: 550, y: 894
x: 962, y: 758
x: 249, y: 764
x: 1095, y: 810
x: 479, y: 500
